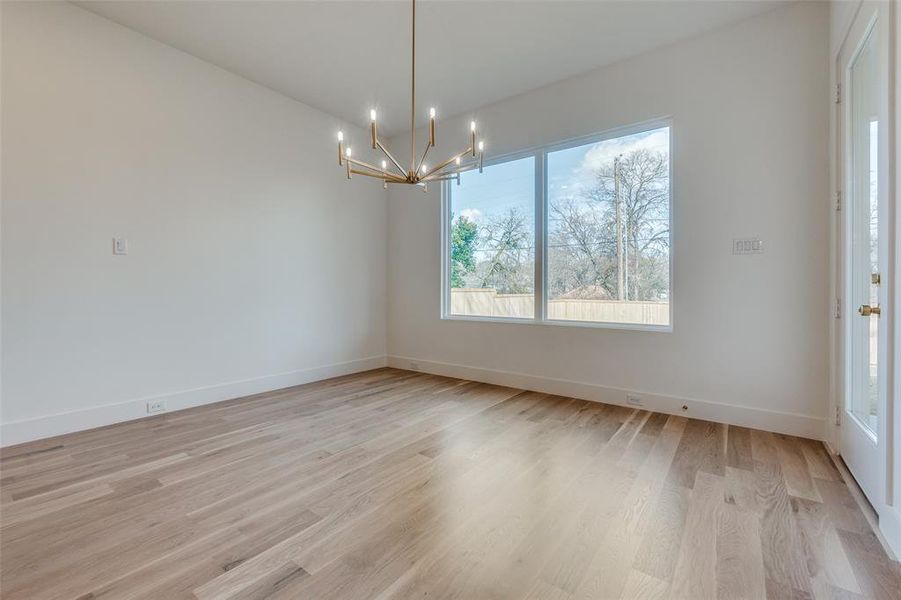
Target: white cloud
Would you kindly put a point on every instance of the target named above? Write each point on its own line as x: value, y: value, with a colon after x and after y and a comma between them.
x: 604, y: 152
x: 472, y: 214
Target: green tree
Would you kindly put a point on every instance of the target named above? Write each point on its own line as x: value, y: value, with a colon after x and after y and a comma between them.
x: 464, y: 234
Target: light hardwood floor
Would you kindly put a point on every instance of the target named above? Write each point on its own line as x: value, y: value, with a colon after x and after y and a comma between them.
x: 392, y: 484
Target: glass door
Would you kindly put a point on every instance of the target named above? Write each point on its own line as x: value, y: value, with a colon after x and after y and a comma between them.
x: 864, y: 251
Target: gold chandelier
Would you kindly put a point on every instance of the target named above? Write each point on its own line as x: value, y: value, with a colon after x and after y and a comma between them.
x: 418, y: 173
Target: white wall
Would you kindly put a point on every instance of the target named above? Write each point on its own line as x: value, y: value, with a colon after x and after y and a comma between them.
x: 749, y: 106
x: 253, y: 263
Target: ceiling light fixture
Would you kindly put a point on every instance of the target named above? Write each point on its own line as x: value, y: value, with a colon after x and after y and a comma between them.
x: 417, y: 174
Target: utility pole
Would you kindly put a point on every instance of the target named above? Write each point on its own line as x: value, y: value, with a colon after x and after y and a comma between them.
x: 620, y: 263
x: 626, y: 232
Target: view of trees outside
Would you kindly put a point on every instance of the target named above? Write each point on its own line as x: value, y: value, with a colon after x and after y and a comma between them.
x: 872, y: 410
x: 493, y: 229
x: 608, y: 234
x: 608, y: 219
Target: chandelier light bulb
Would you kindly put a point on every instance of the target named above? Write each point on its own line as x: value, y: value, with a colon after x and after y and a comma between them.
x: 340, y: 136
x: 347, y: 152
x: 431, y: 127
x: 481, y: 146
x: 373, y: 134
x: 424, y: 168
x: 472, y: 126
x: 457, y: 160
x: 384, y: 165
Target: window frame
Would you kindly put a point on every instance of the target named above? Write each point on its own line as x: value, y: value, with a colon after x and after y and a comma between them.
x: 540, y: 156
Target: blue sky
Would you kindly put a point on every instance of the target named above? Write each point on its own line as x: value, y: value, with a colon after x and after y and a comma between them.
x: 494, y: 192
x: 482, y: 196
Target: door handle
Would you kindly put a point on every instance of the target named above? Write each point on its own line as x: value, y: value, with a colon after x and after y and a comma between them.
x: 866, y: 310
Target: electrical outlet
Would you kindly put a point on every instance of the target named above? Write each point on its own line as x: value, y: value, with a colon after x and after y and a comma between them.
x: 414, y: 366
x: 634, y: 400
x: 156, y: 406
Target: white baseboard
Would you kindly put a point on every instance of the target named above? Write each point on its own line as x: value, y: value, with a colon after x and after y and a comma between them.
x: 51, y: 425
x: 768, y: 420
x: 17, y: 432
x: 890, y: 526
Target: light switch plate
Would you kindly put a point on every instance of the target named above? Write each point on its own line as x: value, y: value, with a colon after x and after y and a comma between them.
x: 120, y: 245
x: 747, y: 246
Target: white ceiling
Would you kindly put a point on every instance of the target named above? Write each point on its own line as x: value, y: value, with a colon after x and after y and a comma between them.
x: 345, y: 56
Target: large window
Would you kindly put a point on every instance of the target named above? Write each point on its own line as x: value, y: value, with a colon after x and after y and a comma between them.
x: 492, y: 239
x: 601, y: 216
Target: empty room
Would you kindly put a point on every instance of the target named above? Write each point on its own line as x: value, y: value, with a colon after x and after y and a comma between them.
x: 484, y: 300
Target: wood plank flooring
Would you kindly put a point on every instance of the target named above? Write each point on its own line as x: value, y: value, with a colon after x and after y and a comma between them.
x: 393, y: 484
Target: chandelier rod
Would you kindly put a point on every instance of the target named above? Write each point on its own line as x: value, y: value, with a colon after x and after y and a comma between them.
x: 413, y: 93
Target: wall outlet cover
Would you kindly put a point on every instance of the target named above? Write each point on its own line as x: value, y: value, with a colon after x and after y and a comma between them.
x: 747, y: 246
x: 120, y: 245
x: 156, y: 406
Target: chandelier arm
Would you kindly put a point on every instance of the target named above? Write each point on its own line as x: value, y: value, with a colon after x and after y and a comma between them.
x: 462, y: 168
x: 466, y: 165
x: 446, y: 163
x: 424, y: 154
x: 444, y: 177
x: 392, y: 159
x: 379, y: 176
x: 378, y: 172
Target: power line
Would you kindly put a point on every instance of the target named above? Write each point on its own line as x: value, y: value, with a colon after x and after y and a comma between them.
x: 602, y: 243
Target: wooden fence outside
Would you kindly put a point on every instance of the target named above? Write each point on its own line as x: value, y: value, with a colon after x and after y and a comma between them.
x: 486, y: 302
